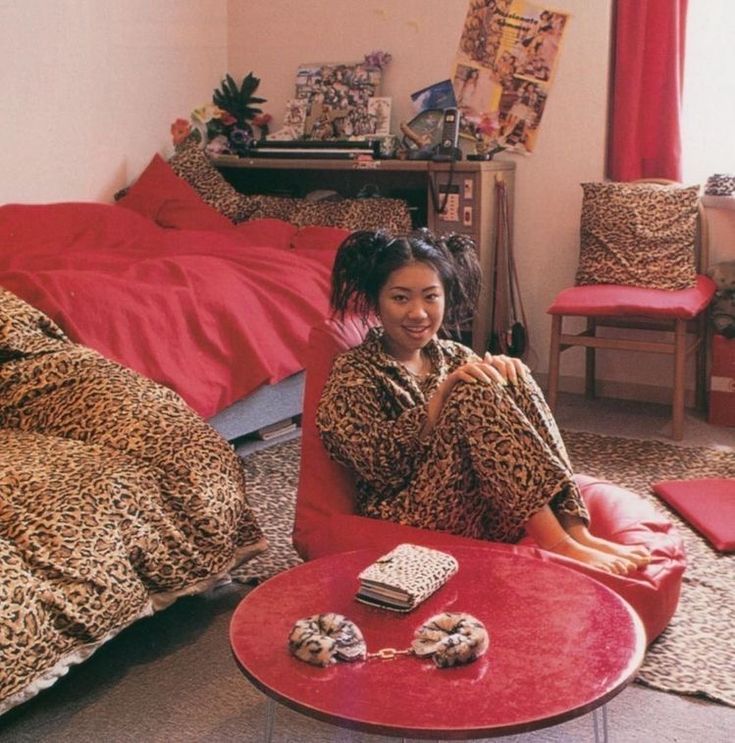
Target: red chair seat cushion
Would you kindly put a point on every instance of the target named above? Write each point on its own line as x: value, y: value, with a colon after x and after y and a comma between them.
x: 708, y: 504
x: 602, y: 300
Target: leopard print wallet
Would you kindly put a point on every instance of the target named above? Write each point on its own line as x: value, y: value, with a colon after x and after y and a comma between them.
x: 404, y: 577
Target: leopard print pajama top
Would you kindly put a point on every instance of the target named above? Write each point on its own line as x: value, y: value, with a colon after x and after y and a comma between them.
x: 494, y: 458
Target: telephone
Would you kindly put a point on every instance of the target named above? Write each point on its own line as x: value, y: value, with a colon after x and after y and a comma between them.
x: 433, y: 135
x: 447, y: 148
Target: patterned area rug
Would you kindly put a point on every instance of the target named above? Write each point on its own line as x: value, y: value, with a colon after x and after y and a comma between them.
x: 696, y: 653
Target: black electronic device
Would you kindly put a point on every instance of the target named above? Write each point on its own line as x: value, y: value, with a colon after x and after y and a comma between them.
x: 448, y: 148
x: 309, y: 148
x: 433, y: 135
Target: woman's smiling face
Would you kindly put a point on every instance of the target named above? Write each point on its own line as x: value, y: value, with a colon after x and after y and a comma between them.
x: 411, y: 307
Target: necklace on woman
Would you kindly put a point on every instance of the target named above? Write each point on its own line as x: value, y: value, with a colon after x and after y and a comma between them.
x: 424, y: 370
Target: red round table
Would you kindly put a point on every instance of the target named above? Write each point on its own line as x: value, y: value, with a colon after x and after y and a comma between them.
x: 561, y: 645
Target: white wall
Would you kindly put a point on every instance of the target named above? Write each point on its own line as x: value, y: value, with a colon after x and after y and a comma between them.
x: 90, y: 88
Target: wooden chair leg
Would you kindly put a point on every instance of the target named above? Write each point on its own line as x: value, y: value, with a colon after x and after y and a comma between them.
x: 554, y: 354
x: 700, y: 378
x: 677, y: 424
x: 589, y: 362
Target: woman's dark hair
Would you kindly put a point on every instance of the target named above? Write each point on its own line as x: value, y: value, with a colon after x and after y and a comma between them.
x: 366, y: 259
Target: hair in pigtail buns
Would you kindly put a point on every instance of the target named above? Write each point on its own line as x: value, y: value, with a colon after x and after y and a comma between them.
x: 366, y: 259
x: 353, y: 270
x: 464, y: 291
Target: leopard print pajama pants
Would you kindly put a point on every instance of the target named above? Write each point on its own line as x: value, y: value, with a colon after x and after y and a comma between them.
x: 494, y: 458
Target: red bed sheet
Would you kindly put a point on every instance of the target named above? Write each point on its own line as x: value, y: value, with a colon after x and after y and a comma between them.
x: 213, y: 315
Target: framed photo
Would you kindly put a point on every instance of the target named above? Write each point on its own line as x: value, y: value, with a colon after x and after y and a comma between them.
x: 379, y: 114
x: 438, y: 95
x: 294, y: 121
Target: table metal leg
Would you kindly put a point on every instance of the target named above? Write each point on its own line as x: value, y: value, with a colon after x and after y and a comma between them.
x: 270, y: 718
x: 601, y: 734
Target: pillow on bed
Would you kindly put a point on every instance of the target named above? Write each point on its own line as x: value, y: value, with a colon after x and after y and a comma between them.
x: 355, y: 214
x: 191, y: 163
x: 349, y: 214
x: 170, y: 201
x: 274, y: 207
x: 266, y: 232
x: 638, y: 235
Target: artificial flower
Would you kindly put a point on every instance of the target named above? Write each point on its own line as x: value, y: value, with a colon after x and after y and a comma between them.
x: 218, y: 146
x: 377, y: 59
x: 180, y: 130
x: 204, y: 114
x: 262, y: 120
x: 240, y: 139
x: 488, y: 125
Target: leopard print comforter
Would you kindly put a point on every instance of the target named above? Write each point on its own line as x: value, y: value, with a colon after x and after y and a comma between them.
x: 115, y: 498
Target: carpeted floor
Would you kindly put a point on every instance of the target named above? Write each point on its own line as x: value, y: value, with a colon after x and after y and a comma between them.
x: 695, y: 655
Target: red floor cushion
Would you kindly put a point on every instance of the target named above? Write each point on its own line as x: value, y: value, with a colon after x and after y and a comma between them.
x: 708, y: 504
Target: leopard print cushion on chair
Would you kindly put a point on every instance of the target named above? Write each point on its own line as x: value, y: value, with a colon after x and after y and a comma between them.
x: 640, y: 234
x: 192, y: 164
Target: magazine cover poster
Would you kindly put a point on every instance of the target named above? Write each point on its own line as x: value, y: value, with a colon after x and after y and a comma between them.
x: 505, y: 65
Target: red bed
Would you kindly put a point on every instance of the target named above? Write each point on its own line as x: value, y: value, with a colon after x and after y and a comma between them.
x: 213, y: 314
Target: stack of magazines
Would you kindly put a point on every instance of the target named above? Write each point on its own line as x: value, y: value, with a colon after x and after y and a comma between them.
x: 406, y: 576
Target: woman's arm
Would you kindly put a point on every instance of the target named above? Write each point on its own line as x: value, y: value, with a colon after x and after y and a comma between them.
x: 360, y: 427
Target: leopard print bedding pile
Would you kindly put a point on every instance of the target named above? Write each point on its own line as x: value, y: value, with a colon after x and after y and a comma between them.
x: 115, y: 498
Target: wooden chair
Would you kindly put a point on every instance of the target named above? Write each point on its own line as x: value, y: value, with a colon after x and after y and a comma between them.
x: 683, y: 313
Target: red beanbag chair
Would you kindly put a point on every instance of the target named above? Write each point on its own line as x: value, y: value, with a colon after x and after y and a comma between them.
x: 326, y: 522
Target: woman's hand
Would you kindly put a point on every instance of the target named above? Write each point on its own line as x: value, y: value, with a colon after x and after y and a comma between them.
x: 499, y: 369
x: 510, y: 368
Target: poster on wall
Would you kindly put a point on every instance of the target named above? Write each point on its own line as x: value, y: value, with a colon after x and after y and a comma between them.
x: 505, y: 65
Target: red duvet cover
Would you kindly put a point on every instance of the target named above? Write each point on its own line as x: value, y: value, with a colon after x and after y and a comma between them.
x: 213, y: 315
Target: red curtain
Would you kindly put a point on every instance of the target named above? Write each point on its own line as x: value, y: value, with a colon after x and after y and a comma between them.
x: 644, y: 137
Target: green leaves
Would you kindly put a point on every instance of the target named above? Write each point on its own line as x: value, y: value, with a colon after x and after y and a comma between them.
x: 238, y: 101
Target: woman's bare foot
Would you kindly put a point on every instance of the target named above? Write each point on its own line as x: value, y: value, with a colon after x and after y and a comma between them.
x: 635, y: 553
x: 601, y: 560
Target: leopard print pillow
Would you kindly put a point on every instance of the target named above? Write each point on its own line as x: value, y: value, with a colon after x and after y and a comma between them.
x: 192, y: 164
x: 638, y: 235
x: 274, y: 207
x: 351, y: 214
x: 356, y: 214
